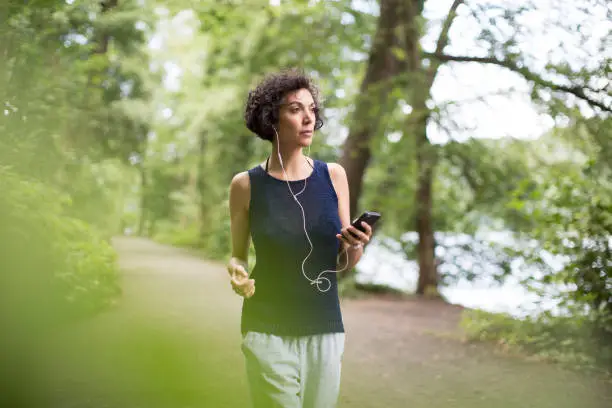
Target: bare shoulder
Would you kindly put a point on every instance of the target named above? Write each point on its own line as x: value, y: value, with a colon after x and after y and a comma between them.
x: 240, y: 189
x: 336, y: 172
x: 241, y: 180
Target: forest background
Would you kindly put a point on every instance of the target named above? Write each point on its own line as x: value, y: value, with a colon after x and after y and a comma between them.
x: 480, y: 129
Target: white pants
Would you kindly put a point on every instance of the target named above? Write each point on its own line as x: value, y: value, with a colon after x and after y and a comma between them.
x: 293, y: 372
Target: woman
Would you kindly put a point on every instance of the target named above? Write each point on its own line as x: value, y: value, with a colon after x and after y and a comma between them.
x: 296, y: 209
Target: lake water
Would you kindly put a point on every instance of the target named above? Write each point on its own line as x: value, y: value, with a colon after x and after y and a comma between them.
x: 382, y: 265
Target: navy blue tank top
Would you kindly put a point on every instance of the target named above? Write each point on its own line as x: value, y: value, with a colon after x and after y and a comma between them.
x: 285, y: 302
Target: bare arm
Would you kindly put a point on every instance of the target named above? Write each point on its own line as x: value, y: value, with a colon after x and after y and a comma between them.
x: 239, y: 197
x: 340, y: 182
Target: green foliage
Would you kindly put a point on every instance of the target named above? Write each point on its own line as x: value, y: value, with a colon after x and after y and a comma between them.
x: 347, y: 288
x: 50, y: 256
x: 570, y: 340
x: 186, y: 236
x: 59, y: 78
x: 566, y: 205
x: 89, y: 278
x: 570, y: 208
x: 350, y: 288
x: 226, y: 51
x: 480, y: 175
x: 89, y: 80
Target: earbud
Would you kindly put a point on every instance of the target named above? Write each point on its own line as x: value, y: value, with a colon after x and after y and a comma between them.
x: 318, y: 280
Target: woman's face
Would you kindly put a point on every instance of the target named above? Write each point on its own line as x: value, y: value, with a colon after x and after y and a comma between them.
x: 297, y: 118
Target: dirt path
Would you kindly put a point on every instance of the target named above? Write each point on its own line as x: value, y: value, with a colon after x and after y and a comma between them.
x: 174, y: 342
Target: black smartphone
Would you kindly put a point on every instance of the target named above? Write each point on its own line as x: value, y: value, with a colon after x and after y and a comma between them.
x: 370, y: 217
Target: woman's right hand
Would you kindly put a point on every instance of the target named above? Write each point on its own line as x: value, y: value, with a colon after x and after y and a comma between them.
x: 239, y: 278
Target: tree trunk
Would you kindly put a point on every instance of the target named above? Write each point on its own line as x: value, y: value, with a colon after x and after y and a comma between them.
x: 420, y: 81
x: 202, y: 186
x: 426, y: 160
x: 384, y: 66
x: 398, y: 26
x: 415, y: 87
x: 428, y: 274
x: 144, y: 193
x: 103, y: 38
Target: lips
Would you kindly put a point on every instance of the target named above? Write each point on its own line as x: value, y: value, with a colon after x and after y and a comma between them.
x: 306, y: 132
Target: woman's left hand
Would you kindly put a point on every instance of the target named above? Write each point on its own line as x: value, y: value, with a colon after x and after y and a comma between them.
x: 359, y: 239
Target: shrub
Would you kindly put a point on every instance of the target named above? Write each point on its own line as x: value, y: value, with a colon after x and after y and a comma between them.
x: 570, y: 340
x: 51, y: 263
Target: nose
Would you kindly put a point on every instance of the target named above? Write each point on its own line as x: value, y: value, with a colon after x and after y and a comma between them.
x: 308, y: 117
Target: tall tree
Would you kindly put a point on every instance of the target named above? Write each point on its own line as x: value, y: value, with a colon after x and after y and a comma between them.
x: 385, y: 64
x: 425, y: 153
x: 553, y: 84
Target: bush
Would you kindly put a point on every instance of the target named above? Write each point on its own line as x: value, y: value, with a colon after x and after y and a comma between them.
x: 88, y: 279
x: 52, y: 264
x: 350, y: 288
x: 185, y: 237
x: 571, y: 340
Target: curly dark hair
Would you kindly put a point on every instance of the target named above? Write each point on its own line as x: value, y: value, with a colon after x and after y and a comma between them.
x: 263, y: 103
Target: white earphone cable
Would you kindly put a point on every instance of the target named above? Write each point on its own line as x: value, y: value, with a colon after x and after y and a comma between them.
x: 319, y: 279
